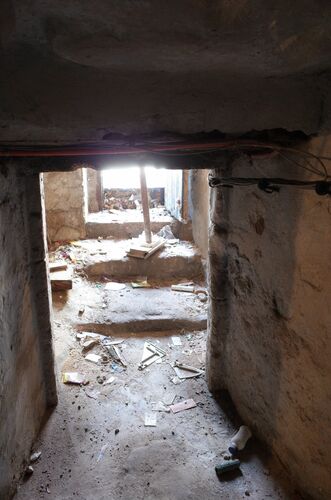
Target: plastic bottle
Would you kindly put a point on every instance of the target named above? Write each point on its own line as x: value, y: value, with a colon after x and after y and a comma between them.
x: 238, y: 442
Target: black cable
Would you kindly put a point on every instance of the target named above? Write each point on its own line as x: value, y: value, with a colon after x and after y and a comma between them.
x: 271, y: 184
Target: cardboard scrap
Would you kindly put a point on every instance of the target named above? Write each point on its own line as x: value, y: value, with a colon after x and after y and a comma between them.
x: 140, y: 284
x: 73, y: 378
x: 184, y: 405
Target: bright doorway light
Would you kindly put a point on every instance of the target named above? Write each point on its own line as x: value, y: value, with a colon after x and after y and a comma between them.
x: 128, y: 177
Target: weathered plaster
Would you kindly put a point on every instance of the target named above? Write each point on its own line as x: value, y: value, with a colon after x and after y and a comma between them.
x: 66, y: 204
x: 27, y: 383
x: 269, y: 332
x: 199, y: 205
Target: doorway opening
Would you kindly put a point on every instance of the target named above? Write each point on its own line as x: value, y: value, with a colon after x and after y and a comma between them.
x: 130, y: 346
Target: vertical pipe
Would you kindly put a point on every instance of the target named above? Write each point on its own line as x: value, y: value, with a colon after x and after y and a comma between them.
x: 144, y: 201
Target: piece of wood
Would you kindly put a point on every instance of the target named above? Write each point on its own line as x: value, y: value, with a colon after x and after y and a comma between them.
x: 61, y: 280
x: 144, y: 201
x: 142, y: 252
x: 57, y: 266
x: 184, y: 405
x: 182, y: 288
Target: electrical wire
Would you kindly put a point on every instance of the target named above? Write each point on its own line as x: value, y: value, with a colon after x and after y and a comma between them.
x: 163, y: 149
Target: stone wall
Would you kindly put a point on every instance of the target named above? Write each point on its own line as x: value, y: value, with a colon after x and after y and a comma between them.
x: 27, y: 383
x: 94, y: 194
x: 199, y: 208
x: 66, y: 204
x: 269, y: 334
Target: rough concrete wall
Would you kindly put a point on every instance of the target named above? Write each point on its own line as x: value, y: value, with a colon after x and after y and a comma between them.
x: 269, y: 334
x: 27, y: 383
x: 65, y: 195
x: 93, y: 178
x: 199, y: 208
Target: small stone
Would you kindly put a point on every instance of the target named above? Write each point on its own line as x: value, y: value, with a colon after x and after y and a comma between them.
x: 227, y: 457
x: 34, y: 457
x: 247, y: 493
x: 29, y: 471
x: 117, y: 431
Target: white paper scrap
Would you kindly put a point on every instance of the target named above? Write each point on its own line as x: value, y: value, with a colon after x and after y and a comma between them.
x: 176, y: 340
x: 114, y: 286
x: 150, y: 419
x: 94, y: 358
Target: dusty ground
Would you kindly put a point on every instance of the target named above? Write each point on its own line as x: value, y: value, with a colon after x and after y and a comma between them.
x: 83, y: 455
x: 95, y: 444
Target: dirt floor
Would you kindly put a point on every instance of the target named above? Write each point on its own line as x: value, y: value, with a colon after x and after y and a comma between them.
x: 96, y: 444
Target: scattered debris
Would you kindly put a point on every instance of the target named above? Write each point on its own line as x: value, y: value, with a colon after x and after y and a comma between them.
x: 81, y: 310
x: 169, y: 398
x: 115, y: 353
x: 160, y: 406
x: 35, y: 456
x: 83, y: 335
x: 93, y: 394
x: 107, y: 341
x: 28, y: 471
x: 141, y: 283
x: 57, y: 266
x: 102, y: 452
x: 202, y: 295
x: 61, y: 280
x: 88, y: 344
x: 150, y: 354
x: 166, y: 233
x: 176, y: 340
x: 150, y: 419
x: 183, y: 288
x: 224, y: 467
x: 142, y: 250
x: 183, y: 405
x: 110, y: 380
x: 114, y: 286
x: 186, y: 371
x: 74, y: 378
x: 239, y: 440
x: 94, y: 358
x: 175, y: 380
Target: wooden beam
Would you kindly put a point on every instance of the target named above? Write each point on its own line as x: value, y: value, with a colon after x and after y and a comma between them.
x: 145, y: 204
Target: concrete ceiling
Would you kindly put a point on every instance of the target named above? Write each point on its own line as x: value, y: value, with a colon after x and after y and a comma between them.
x: 81, y: 69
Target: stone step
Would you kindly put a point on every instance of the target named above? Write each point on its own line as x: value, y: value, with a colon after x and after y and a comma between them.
x: 147, y: 310
x: 130, y: 311
x: 124, y: 225
x: 108, y: 258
